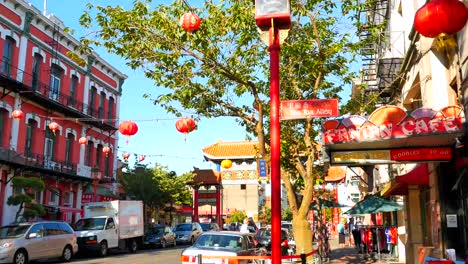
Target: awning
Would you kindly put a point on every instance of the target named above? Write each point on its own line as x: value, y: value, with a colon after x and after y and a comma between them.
x: 372, y: 204
x: 419, y: 175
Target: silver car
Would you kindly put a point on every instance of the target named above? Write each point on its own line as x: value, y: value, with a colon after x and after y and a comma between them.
x: 211, y: 245
x: 187, y: 232
x: 23, y: 242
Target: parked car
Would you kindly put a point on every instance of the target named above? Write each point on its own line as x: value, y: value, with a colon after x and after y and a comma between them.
x: 23, y: 242
x: 264, y: 238
x: 209, y: 227
x: 188, y: 232
x: 159, y: 236
x: 223, y: 243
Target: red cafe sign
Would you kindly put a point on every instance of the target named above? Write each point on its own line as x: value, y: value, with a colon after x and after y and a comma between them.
x: 393, y: 122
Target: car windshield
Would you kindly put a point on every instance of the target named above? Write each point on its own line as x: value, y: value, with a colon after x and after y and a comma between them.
x: 205, y: 227
x: 13, y: 231
x: 231, y: 242
x: 155, y: 231
x: 183, y: 227
x: 90, y: 224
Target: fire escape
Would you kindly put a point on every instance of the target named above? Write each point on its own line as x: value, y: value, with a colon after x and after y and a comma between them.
x: 381, y: 56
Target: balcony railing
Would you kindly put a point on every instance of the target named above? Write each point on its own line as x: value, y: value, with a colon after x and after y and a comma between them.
x: 30, y: 87
x: 38, y: 161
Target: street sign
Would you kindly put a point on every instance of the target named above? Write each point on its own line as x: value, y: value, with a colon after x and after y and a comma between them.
x: 301, y: 109
x: 262, y: 168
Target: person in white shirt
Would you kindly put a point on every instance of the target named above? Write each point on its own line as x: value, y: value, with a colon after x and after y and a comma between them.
x: 245, y: 226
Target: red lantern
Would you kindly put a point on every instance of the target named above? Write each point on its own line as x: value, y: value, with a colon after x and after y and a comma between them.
x: 83, y: 140
x: 441, y: 17
x: 185, y: 125
x: 54, y: 127
x: 128, y: 128
x: 17, y: 114
x: 126, y: 155
x: 190, y: 22
x: 106, y: 150
x: 226, y: 164
x: 142, y: 158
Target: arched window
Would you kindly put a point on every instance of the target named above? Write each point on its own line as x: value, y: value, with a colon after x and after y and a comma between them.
x: 89, y: 153
x: 102, y: 101
x: 92, y: 101
x: 56, y: 74
x: 49, y: 147
x: 3, y: 120
x: 29, y: 144
x: 110, y: 110
x: 54, y: 197
x: 99, y: 156
x: 7, y: 58
x: 36, y: 71
x: 73, y: 87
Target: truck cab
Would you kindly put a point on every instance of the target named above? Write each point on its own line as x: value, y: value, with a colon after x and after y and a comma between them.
x: 97, y: 234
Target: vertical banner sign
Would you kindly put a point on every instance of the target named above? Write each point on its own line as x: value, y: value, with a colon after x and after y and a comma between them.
x: 311, y: 218
x: 262, y: 168
x: 336, y: 217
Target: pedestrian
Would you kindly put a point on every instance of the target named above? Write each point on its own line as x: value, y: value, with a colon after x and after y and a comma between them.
x: 357, y: 235
x: 245, y: 226
x: 341, y: 234
x: 350, y: 231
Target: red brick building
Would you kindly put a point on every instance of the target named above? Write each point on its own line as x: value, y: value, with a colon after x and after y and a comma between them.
x: 38, y: 78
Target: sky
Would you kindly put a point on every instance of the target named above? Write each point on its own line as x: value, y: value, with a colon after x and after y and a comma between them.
x: 157, y: 137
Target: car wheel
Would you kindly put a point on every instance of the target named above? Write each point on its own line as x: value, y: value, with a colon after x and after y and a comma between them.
x: 67, y: 254
x: 163, y: 243
x: 103, y: 249
x: 21, y: 257
x: 133, y: 246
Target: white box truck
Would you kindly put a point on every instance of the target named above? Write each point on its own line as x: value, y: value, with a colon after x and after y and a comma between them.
x: 110, y: 225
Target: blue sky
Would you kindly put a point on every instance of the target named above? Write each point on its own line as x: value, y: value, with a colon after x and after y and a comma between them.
x: 158, y: 140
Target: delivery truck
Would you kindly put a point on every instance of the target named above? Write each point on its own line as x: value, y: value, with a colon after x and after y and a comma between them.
x: 110, y: 225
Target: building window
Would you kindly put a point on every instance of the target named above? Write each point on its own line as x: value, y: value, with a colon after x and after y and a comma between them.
x: 38, y: 197
x: 92, y: 99
x: 3, y: 118
x: 7, y: 59
x: 73, y: 87
x: 54, y: 197
x: 32, y: 124
x: 102, y: 101
x: 243, y: 186
x: 110, y: 110
x: 68, y: 200
x: 98, y: 155
x: 49, y: 147
x: 89, y: 153
x: 36, y: 71
x: 55, y: 82
x: 69, y: 148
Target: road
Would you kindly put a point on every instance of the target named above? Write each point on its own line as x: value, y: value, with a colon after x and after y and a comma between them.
x: 165, y: 256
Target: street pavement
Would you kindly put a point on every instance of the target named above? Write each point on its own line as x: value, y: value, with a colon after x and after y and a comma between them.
x: 351, y: 255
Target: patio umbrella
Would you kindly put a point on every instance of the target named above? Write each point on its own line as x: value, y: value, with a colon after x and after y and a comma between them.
x: 324, y: 204
x: 372, y: 204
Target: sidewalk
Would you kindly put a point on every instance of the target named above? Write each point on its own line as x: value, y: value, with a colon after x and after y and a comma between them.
x: 350, y: 255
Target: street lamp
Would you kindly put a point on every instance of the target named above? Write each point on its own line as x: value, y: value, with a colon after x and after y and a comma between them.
x: 271, y: 16
x: 96, y: 176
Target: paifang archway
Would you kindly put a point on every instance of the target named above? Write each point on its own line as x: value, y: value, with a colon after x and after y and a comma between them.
x: 203, y: 192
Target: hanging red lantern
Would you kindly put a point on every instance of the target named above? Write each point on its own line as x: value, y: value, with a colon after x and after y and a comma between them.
x: 126, y: 155
x: 106, y: 150
x: 128, y: 128
x: 441, y: 17
x: 83, y: 140
x: 190, y: 22
x: 142, y: 158
x: 17, y: 114
x: 226, y: 164
x: 185, y: 125
x: 53, y: 126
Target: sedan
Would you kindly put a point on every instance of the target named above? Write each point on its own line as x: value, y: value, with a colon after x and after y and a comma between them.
x: 264, y: 238
x: 222, y: 244
x: 160, y: 236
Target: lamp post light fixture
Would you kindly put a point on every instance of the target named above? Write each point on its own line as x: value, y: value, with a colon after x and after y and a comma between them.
x: 271, y: 16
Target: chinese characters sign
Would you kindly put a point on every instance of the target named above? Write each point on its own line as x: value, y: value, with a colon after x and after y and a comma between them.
x: 301, y: 109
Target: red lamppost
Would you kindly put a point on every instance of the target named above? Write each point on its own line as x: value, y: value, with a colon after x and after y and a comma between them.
x: 96, y: 177
x: 271, y: 16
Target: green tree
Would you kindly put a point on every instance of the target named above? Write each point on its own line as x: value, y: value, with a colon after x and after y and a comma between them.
x: 286, y: 214
x: 265, y: 215
x: 222, y: 70
x: 28, y: 208
x: 237, y: 217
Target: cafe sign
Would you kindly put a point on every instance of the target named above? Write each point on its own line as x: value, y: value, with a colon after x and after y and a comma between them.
x: 393, y: 122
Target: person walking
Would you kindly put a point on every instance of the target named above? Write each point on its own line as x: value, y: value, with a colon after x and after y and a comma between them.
x: 357, y: 234
x: 245, y: 226
x: 341, y: 234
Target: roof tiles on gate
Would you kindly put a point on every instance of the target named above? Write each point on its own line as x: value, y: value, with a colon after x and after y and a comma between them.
x: 231, y: 150
x: 206, y: 177
x: 336, y: 173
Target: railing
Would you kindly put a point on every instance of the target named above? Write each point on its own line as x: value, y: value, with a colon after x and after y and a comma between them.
x: 28, y: 84
x: 36, y: 160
